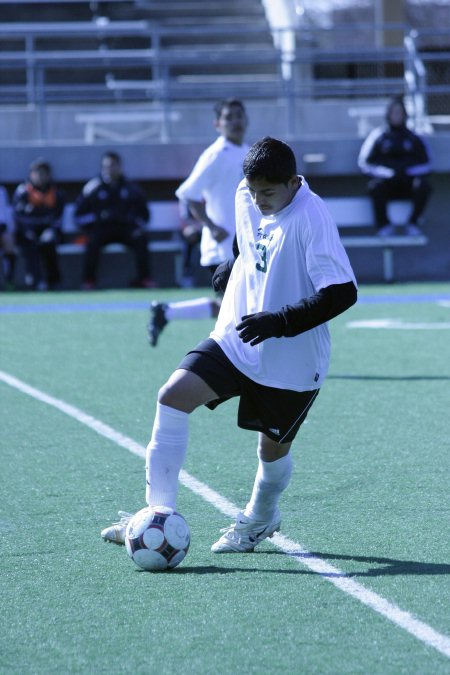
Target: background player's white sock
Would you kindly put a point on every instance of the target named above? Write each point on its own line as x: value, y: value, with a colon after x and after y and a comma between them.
x: 165, y: 455
x: 270, y: 481
x: 199, y: 308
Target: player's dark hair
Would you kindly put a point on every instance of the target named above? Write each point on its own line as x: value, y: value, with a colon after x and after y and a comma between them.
x: 396, y: 101
x: 40, y: 163
x: 271, y: 160
x: 227, y: 103
x: 110, y: 154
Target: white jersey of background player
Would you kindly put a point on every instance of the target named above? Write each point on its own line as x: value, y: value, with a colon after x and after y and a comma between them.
x: 209, y: 193
x: 213, y: 184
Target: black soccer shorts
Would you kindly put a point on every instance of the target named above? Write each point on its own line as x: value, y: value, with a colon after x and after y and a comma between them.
x: 277, y: 413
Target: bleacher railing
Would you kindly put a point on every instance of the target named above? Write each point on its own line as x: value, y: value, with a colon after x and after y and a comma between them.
x: 127, y: 61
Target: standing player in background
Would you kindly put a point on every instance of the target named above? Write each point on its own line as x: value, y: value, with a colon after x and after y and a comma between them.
x: 270, y: 346
x: 209, y: 193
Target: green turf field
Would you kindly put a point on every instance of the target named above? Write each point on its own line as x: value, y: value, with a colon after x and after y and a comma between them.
x: 358, y: 583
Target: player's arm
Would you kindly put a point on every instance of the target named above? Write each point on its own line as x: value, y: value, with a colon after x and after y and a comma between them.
x: 223, y: 272
x: 291, y: 320
x: 370, y: 160
x: 87, y: 206
x: 198, y: 210
x: 419, y: 162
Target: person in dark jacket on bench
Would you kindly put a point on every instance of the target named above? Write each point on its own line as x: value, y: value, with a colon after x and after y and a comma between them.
x: 112, y: 209
x: 397, y: 161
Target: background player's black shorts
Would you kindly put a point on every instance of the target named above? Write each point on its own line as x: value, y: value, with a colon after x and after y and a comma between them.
x: 278, y: 413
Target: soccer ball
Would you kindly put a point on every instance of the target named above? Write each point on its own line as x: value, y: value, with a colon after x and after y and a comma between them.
x: 157, y: 538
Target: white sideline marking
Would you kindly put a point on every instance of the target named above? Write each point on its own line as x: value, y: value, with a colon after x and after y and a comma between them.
x: 398, y: 616
x: 398, y: 324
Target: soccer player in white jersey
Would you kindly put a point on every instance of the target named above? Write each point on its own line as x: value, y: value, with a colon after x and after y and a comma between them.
x: 270, y: 345
x: 209, y: 194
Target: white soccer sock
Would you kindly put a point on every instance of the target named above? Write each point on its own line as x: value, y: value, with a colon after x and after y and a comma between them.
x: 272, y: 478
x: 189, y: 309
x: 165, y: 456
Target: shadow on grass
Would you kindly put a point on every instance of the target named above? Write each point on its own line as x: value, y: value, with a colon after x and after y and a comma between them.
x: 392, y: 378
x: 378, y: 566
x: 385, y: 566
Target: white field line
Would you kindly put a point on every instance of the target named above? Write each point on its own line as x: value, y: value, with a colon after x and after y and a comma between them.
x: 390, y: 611
x: 398, y: 324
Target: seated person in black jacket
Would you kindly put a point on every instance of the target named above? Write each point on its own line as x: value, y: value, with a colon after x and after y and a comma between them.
x: 38, y: 206
x: 398, y: 162
x: 112, y: 209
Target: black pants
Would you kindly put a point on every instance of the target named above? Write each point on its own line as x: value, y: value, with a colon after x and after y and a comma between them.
x: 102, y: 234
x: 383, y: 190
x: 41, y: 258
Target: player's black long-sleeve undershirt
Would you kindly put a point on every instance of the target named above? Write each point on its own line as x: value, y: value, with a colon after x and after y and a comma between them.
x: 304, y: 315
x: 310, y: 312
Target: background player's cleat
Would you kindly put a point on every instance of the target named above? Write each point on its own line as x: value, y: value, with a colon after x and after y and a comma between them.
x: 243, y: 535
x: 116, y: 531
x: 157, y: 322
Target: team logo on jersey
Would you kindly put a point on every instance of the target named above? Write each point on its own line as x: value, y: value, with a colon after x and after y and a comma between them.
x: 263, y: 235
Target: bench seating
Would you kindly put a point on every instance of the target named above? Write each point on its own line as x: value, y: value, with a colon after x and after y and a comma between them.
x: 356, y: 212
x: 353, y: 213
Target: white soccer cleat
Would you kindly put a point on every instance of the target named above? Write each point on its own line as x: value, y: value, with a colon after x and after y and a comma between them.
x: 116, y: 531
x: 243, y: 535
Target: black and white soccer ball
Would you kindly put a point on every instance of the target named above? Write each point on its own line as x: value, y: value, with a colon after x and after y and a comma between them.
x: 157, y: 538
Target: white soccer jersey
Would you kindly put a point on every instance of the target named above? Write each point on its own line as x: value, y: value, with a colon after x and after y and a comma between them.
x: 283, y: 259
x: 214, y: 180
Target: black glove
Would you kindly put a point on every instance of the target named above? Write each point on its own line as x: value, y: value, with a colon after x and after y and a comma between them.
x: 255, y: 328
x: 221, y: 275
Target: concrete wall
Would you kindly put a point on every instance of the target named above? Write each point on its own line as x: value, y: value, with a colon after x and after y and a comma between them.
x: 329, y: 165
x: 322, y: 155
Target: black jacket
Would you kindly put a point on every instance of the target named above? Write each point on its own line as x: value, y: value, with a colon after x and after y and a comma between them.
x: 392, y: 151
x: 121, y: 203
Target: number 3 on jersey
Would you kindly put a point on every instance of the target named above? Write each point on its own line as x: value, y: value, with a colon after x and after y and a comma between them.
x: 262, y: 250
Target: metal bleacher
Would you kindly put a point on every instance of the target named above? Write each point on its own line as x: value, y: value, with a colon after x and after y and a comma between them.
x: 141, y: 76
x: 84, y: 72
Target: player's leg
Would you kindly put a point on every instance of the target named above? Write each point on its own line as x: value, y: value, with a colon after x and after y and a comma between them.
x: 272, y: 478
x: 97, y: 238
x: 49, y: 256
x: 182, y: 393
x: 161, y: 313
x: 380, y: 193
x: 198, y: 308
x: 419, y: 193
x: 8, y: 256
x: 30, y: 251
x: 137, y: 240
x: 261, y: 517
x: 281, y: 414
